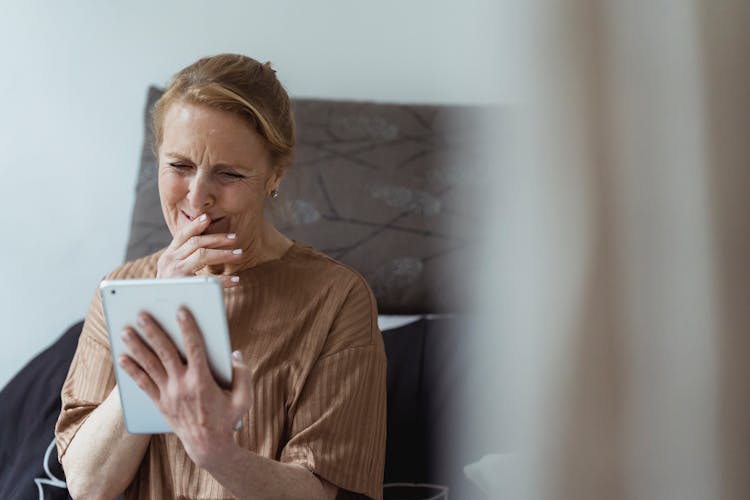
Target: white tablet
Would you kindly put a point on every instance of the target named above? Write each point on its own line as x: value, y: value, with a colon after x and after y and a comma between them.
x: 124, y: 299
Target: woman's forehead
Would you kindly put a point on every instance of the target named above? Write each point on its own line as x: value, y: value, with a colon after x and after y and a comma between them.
x: 185, y: 117
x: 193, y: 128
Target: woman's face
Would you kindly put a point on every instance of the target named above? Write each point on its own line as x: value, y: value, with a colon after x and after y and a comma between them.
x: 213, y: 162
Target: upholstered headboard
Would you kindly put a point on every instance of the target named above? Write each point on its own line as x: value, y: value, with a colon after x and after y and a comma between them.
x: 383, y: 188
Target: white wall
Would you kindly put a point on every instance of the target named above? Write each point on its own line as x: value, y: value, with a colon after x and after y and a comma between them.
x: 73, y: 77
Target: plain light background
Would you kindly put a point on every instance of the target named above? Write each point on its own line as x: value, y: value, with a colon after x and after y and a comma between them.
x: 73, y: 80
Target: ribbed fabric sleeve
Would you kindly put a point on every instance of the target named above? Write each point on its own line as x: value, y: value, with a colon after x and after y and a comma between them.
x: 308, y: 327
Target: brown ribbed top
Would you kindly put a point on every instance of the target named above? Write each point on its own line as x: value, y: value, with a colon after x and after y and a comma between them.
x: 308, y: 327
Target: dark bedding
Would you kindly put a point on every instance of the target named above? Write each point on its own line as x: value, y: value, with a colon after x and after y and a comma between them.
x: 29, y: 405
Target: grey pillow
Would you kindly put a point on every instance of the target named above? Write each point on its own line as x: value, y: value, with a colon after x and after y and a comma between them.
x: 380, y: 187
x: 148, y: 231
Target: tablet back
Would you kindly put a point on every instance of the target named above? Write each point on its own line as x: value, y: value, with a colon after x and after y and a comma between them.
x: 124, y: 299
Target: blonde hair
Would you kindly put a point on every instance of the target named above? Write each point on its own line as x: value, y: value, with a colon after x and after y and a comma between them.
x: 240, y: 85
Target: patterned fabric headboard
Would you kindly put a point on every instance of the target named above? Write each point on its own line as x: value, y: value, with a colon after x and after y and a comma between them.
x: 380, y: 187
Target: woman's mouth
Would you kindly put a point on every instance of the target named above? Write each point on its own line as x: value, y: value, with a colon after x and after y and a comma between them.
x: 216, y: 225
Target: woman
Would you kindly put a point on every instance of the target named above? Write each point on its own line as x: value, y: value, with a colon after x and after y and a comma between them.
x: 309, y: 363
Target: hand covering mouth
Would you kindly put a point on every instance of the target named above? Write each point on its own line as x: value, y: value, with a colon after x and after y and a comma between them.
x: 213, y: 227
x: 216, y: 226
x: 188, y: 217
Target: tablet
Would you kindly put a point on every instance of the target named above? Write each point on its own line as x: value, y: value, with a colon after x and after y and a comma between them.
x: 124, y: 299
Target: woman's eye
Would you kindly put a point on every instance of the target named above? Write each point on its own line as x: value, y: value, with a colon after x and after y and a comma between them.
x: 179, y: 166
x: 232, y: 175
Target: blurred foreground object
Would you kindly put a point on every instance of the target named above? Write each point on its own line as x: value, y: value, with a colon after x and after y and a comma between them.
x: 614, y: 305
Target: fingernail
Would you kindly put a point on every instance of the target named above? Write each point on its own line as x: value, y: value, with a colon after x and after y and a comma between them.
x: 181, y: 314
x: 234, y: 279
x: 125, y: 335
x: 232, y: 236
x: 203, y: 218
x: 237, y: 355
x: 141, y: 321
x: 237, y: 251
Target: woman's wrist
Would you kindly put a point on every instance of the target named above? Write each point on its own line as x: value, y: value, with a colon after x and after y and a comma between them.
x: 248, y: 475
x: 217, y: 454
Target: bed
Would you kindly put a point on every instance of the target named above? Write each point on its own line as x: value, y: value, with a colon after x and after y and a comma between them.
x: 380, y: 187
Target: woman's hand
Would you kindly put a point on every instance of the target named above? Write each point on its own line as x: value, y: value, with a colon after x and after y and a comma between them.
x: 191, y: 251
x: 202, y: 414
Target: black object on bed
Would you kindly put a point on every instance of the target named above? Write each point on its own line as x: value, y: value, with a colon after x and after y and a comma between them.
x: 430, y: 376
x: 29, y: 406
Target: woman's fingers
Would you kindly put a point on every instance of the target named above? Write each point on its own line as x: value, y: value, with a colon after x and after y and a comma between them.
x: 195, y: 349
x: 203, y: 257
x: 160, y: 344
x: 193, y: 243
x: 193, y: 228
x: 142, y: 355
x: 240, y: 395
x: 191, y: 251
x: 229, y: 281
x: 140, y: 377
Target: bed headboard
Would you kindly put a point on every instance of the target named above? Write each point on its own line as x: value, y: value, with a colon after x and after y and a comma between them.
x: 380, y: 187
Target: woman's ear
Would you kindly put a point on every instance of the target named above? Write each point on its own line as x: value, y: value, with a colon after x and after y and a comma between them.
x: 274, y: 180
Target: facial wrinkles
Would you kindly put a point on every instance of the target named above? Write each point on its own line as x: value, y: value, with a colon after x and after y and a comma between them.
x: 206, y: 149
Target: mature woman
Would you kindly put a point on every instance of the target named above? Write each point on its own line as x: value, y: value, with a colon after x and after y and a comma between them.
x: 309, y: 364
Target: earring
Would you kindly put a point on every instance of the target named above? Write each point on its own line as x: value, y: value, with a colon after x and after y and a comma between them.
x: 274, y: 193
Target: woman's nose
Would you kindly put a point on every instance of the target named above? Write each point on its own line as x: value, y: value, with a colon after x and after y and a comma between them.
x: 200, y: 194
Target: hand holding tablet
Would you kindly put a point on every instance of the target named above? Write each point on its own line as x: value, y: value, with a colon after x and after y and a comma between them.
x: 160, y: 356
